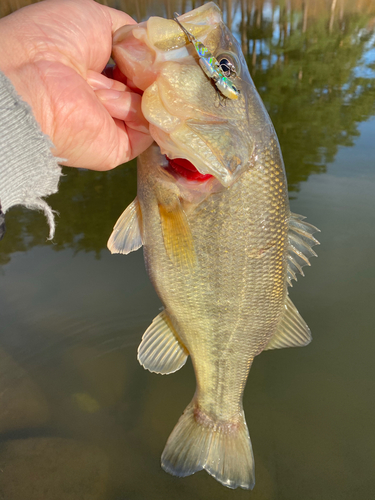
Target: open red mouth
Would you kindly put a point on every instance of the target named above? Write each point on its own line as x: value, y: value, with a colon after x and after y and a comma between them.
x: 186, y: 169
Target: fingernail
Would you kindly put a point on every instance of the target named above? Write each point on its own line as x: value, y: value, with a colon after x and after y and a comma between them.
x: 140, y: 128
x: 109, y: 95
x: 99, y: 82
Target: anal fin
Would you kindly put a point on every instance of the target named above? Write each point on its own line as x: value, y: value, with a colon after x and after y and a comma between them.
x: 292, y: 330
x: 126, y: 236
x: 160, y: 350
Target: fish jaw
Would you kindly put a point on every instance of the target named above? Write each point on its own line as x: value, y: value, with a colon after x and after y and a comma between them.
x: 189, y: 117
x: 140, y: 50
x: 187, y: 122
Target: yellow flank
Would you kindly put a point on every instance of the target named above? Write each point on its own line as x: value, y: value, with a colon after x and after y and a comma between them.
x: 177, y: 236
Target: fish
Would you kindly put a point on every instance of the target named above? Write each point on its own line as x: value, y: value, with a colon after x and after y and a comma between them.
x: 220, y: 243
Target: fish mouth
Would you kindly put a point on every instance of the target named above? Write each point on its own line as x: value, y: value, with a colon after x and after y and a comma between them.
x: 193, y: 186
x: 186, y: 169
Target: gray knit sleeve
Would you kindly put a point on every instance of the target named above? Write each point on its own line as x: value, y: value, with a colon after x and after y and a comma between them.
x: 28, y: 170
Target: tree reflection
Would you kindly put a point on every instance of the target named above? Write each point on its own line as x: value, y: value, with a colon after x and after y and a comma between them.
x: 88, y: 204
x: 308, y: 64
x: 313, y: 64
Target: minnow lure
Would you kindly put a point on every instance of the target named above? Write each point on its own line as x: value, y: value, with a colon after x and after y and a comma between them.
x: 211, y: 66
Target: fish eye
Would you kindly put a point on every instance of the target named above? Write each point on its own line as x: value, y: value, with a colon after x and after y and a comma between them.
x: 229, y: 64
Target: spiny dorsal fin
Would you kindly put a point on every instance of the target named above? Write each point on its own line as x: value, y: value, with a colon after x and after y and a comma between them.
x: 160, y: 350
x: 127, y: 232
x: 177, y: 236
x: 291, y: 331
x: 301, y: 242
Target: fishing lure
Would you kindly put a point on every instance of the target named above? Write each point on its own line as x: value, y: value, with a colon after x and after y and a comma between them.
x: 211, y: 66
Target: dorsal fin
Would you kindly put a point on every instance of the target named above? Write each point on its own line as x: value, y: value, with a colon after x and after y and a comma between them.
x: 292, y: 330
x: 161, y: 351
x: 127, y: 232
x: 301, y: 242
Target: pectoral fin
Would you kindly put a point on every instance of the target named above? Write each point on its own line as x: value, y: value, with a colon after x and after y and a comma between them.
x: 127, y: 232
x: 160, y: 350
x: 177, y: 236
x: 292, y: 331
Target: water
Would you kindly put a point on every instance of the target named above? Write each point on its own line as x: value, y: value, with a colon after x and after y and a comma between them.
x: 72, y: 315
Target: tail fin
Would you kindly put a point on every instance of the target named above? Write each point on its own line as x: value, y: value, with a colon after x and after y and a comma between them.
x: 222, y: 449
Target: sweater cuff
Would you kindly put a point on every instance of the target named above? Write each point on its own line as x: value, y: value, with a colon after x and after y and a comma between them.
x: 28, y: 169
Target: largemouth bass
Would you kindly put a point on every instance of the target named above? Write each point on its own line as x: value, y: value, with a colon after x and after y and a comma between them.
x: 219, y: 240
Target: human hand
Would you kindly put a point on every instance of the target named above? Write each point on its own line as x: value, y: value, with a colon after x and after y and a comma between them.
x: 54, y: 53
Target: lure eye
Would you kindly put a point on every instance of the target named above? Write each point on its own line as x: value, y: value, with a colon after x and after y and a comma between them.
x: 226, y: 66
x: 229, y: 64
x: 235, y: 90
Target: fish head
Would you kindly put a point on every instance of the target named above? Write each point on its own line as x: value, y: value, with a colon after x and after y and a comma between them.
x: 194, y: 117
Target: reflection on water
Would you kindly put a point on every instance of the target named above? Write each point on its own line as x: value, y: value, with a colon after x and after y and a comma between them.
x: 88, y: 203
x: 74, y: 401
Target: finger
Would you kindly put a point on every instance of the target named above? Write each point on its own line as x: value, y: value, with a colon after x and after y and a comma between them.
x: 132, y: 141
x: 98, y: 81
x: 118, y: 18
x: 139, y: 142
x: 124, y: 106
x: 129, y: 144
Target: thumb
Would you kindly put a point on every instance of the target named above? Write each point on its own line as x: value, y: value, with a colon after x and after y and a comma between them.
x: 118, y: 18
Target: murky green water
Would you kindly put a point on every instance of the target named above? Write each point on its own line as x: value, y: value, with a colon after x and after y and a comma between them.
x: 80, y: 419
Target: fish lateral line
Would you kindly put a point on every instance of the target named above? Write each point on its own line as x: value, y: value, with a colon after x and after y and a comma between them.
x: 210, y: 65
